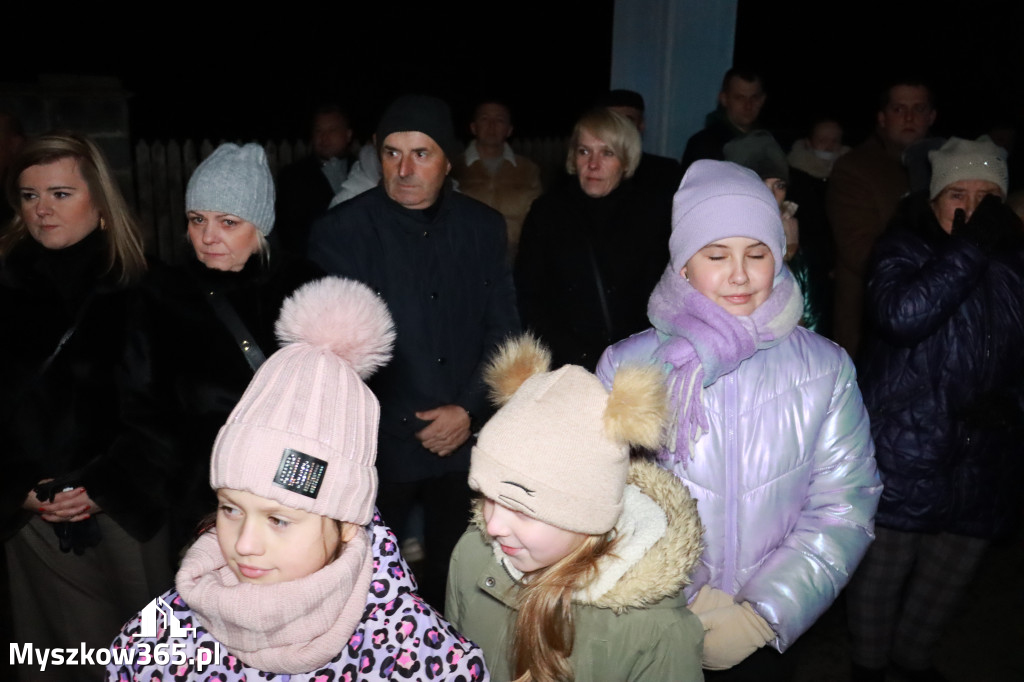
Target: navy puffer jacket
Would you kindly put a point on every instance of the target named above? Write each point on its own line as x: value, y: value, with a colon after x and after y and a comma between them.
x: 942, y: 373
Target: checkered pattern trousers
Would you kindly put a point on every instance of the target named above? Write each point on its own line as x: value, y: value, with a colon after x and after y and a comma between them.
x: 904, y: 593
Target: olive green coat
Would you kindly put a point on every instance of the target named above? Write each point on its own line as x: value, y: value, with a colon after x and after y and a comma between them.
x: 639, y: 629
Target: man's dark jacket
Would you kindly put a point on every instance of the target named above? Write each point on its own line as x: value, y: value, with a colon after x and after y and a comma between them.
x: 443, y: 274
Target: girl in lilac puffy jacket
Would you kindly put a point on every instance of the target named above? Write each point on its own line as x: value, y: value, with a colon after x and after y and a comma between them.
x: 768, y: 431
x: 300, y: 580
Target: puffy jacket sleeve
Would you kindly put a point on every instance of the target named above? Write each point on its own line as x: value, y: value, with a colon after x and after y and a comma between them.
x: 638, y: 349
x: 914, y: 288
x: 800, y: 580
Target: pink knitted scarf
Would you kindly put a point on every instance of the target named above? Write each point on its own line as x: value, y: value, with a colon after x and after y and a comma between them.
x: 290, y: 627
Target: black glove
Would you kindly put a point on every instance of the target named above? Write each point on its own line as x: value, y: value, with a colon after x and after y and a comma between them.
x: 992, y: 225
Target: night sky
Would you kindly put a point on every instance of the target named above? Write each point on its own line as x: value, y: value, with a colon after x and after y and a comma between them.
x: 190, y: 77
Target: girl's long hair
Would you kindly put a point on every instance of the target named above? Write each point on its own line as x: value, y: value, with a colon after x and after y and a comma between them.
x: 544, y: 632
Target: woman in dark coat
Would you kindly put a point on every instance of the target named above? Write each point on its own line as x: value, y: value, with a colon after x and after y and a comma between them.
x: 943, y: 380
x: 592, y: 249
x: 212, y: 320
x: 82, y: 505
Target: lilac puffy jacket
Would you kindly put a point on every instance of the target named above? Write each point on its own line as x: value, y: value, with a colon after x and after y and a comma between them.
x: 785, y: 480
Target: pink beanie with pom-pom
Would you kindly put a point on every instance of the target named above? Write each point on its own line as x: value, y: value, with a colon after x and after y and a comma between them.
x: 305, y: 431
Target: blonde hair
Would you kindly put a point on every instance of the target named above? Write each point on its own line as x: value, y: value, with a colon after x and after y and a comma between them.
x: 544, y: 633
x: 124, y: 240
x: 616, y: 131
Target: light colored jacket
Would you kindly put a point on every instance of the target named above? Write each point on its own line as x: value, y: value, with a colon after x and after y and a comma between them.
x: 632, y: 623
x: 785, y: 480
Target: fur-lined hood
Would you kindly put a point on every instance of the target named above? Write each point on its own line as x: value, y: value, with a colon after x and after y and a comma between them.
x: 643, y: 569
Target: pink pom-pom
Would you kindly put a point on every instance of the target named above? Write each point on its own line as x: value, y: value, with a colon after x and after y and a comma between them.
x: 342, y: 316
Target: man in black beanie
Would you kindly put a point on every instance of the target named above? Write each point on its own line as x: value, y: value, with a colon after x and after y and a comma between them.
x: 438, y: 259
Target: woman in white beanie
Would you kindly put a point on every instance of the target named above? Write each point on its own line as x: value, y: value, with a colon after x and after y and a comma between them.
x: 768, y: 431
x: 212, y: 319
x: 564, y: 571
x: 300, y: 578
x: 943, y: 380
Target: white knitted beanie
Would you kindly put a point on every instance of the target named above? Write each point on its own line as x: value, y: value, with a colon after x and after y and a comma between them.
x: 305, y: 431
x: 718, y: 200
x: 961, y: 159
x: 234, y: 180
x: 558, y: 450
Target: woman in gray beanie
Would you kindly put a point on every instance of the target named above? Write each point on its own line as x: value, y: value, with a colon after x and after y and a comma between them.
x: 213, y: 318
x: 943, y: 381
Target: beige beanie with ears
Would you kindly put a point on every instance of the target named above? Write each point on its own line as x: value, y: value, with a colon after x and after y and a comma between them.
x: 558, y: 449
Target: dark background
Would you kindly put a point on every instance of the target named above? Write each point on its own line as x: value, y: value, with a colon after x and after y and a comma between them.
x: 240, y: 76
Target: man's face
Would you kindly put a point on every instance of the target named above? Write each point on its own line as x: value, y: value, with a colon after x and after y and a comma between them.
x: 742, y: 101
x: 492, y: 124
x: 414, y: 169
x: 908, y: 115
x: 633, y: 114
x: 331, y: 136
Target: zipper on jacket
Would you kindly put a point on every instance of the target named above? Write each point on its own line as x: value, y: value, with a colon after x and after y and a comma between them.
x: 732, y: 472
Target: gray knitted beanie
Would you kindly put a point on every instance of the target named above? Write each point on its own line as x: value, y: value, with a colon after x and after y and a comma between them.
x: 961, y: 159
x: 758, y: 151
x: 234, y: 180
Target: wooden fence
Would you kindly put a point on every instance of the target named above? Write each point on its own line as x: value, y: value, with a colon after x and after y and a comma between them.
x: 162, y: 170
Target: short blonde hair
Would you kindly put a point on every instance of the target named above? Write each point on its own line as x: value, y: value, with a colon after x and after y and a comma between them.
x: 123, y: 237
x: 616, y: 131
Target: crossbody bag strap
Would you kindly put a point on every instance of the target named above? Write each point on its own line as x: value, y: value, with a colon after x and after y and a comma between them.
x: 228, y: 316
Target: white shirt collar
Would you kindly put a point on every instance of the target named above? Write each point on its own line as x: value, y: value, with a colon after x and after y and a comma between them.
x: 472, y: 155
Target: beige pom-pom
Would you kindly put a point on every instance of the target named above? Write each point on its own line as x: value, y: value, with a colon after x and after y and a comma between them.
x: 516, y: 360
x: 637, y: 407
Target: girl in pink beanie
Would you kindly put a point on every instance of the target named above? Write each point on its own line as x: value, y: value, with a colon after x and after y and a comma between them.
x: 299, y: 578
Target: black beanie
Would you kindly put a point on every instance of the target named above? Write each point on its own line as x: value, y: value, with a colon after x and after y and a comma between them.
x: 420, y: 113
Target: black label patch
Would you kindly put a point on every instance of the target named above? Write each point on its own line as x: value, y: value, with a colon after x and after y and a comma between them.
x: 300, y: 473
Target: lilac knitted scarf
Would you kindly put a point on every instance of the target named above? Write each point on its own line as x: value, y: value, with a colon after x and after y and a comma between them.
x: 706, y: 342
x: 290, y: 627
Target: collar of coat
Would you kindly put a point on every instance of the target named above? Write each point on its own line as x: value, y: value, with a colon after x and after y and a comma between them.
x: 659, y: 546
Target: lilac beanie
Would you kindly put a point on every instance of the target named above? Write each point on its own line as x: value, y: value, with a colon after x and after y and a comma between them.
x: 719, y: 200
x: 305, y: 431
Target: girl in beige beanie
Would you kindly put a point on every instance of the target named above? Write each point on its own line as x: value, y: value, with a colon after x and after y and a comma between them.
x: 573, y: 565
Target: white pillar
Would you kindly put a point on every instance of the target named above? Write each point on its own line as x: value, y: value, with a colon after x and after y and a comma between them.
x: 674, y: 53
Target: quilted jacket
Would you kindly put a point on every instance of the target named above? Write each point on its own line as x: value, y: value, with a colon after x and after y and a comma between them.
x: 943, y: 377
x: 785, y: 480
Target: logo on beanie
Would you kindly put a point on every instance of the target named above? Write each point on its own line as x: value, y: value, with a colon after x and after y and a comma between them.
x: 300, y: 473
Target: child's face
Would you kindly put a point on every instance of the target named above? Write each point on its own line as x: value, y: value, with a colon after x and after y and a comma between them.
x: 529, y: 544
x: 737, y: 273
x: 265, y: 542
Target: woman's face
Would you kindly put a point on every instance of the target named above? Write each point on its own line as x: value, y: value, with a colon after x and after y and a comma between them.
x: 736, y: 273
x: 265, y: 542
x: 963, y: 194
x: 56, y: 203
x: 222, y: 241
x: 599, y: 169
x: 527, y: 543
